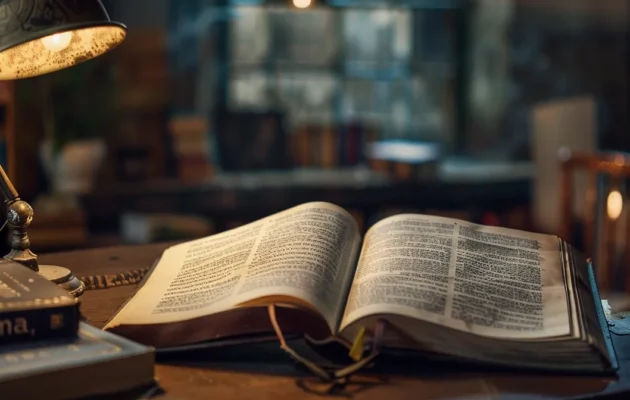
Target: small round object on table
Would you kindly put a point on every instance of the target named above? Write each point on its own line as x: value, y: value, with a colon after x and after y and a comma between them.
x: 64, y: 278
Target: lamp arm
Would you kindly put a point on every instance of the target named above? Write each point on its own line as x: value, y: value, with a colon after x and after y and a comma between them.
x: 19, y: 217
x: 6, y: 186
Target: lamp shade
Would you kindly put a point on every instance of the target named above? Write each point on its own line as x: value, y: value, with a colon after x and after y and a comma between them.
x: 42, y: 36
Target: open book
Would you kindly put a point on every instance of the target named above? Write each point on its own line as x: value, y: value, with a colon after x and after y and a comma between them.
x: 450, y: 287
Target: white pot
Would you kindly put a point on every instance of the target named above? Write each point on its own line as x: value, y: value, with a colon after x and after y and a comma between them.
x: 73, y: 169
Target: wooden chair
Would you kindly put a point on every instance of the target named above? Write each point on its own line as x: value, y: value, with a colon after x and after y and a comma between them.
x: 606, y: 221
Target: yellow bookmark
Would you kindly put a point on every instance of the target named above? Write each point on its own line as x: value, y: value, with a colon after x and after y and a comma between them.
x: 356, y: 352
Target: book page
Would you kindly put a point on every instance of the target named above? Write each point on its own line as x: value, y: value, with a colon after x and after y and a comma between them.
x: 307, y: 252
x: 490, y: 281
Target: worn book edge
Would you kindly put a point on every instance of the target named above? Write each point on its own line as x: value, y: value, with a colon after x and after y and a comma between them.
x: 139, y: 286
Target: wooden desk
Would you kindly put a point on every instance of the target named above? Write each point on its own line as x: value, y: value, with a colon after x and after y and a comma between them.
x: 190, y: 383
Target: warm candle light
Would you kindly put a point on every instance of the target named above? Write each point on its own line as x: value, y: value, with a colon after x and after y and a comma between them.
x: 302, y: 3
x: 58, y: 41
x: 614, y: 205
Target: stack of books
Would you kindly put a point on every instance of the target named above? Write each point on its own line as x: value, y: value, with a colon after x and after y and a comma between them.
x: 47, y: 352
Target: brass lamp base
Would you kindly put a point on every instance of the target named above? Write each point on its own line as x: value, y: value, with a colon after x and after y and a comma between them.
x: 19, y: 217
x: 64, y: 278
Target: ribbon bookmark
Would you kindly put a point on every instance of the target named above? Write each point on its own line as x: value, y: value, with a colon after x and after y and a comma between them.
x: 356, y: 351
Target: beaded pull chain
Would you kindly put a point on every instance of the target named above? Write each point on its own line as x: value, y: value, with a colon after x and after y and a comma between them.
x: 97, y: 282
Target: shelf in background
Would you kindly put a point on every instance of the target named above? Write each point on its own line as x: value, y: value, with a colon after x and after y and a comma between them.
x: 249, y: 196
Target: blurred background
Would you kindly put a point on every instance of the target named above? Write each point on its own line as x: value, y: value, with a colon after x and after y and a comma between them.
x: 214, y: 113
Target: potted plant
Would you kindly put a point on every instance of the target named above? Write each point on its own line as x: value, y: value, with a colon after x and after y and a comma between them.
x: 78, y: 105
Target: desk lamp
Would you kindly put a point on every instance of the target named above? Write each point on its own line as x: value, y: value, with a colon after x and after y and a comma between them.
x: 38, y: 37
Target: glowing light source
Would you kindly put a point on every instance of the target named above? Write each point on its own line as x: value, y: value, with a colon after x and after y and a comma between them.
x: 302, y: 3
x: 614, y: 205
x: 58, y: 51
x: 58, y: 41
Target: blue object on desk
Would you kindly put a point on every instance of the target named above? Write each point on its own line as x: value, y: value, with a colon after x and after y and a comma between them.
x: 620, y: 326
x: 602, y: 316
x: 94, y: 363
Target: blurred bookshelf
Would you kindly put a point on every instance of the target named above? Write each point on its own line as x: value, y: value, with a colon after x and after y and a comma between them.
x: 359, y: 103
x: 464, y: 74
x: 337, y: 74
x: 366, y: 103
x: 490, y: 193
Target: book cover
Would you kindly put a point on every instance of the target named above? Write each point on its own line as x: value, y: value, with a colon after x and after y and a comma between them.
x: 33, y: 308
x: 93, y: 363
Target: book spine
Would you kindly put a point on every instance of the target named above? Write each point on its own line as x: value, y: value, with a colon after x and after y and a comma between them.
x: 37, y: 324
x: 355, y: 144
x: 328, y: 148
x: 303, y: 147
x: 342, y: 145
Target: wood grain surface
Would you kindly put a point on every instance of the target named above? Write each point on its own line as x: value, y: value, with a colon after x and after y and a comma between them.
x: 199, y: 382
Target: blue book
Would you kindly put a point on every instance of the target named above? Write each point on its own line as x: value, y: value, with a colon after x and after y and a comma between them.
x: 33, y: 308
x: 92, y: 364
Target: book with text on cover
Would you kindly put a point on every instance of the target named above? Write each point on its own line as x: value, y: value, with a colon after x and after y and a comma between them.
x: 32, y: 307
x: 479, y: 293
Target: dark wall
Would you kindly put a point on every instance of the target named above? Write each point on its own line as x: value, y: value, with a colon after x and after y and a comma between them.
x: 139, y: 14
x: 554, y: 56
